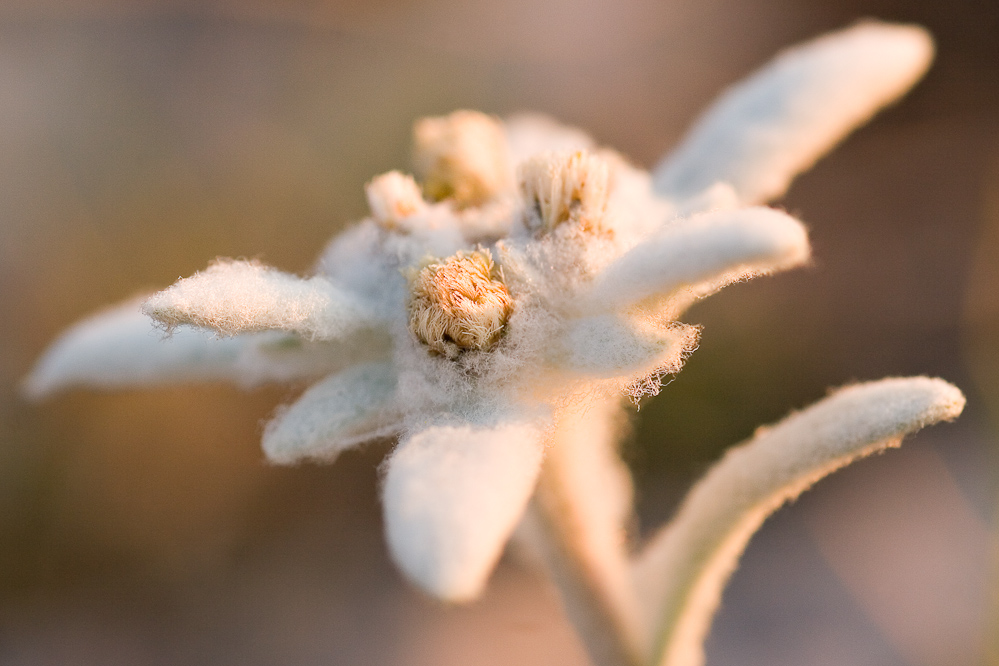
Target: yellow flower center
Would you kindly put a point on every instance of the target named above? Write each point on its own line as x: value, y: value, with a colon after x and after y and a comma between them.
x: 392, y: 197
x: 462, y: 156
x: 564, y: 187
x: 459, y: 304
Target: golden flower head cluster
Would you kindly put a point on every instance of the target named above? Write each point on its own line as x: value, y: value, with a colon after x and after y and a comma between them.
x: 563, y: 187
x: 459, y: 303
x: 462, y: 156
x: 393, y: 197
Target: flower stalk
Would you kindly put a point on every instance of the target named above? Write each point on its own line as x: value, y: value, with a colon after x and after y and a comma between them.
x: 577, y: 522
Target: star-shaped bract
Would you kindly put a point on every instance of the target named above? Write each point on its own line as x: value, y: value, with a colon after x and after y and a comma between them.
x: 481, y: 318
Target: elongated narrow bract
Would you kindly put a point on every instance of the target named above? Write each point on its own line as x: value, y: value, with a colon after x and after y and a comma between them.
x: 702, y: 255
x: 611, y: 345
x: 345, y: 409
x: 234, y: 297
x: 681, y: 573
x: 769, y: 128
x: 121, y: 347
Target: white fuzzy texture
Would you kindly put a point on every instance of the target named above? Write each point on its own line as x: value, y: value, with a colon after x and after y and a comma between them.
x: 681, y: 573
x: 528, y: 134
x: 121, y: 347
x: 234, y: 297
x: 452, y: 496
x: 718, y: 197
x: 634, y: 210
x: 591, y: 309
x: 338, y: 413
x: 565, y: 187
x: 578, y: 525
x: 777, y: 123
x: 393, y: 197
x: 365, y: 260
x: 700, y: 256
x: 275, y: 356
x: 462, y: 156
x: 611, y: 345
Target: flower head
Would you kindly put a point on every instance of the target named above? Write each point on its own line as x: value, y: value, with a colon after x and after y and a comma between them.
x: 568, y: 187
x: 529, y: 274
x: 459, y: 304
x: 461, y: 157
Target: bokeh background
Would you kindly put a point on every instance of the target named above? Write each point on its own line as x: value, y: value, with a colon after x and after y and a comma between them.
x: 140, y: 139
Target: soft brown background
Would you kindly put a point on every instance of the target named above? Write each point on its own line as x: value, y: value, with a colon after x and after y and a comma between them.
x: 139, y: 140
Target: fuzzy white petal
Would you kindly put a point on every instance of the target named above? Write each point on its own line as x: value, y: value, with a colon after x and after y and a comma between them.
x: 612, y: 345
x: 452, y: 496
x: 338, y: 413
x: 274, y: 356
x: 777, y: 123
x: 718, y: 197
x: 241, y: 296
x: 701, y: 255
x: 681, y: 573
x: 121, y: 347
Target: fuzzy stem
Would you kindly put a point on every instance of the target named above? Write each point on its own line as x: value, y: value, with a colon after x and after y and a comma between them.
x: 577, y: 522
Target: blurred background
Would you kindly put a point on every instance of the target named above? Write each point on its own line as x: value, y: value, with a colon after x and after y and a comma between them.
x: 140, y: 139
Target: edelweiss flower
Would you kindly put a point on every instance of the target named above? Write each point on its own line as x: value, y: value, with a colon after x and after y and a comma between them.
x: 493, y: 315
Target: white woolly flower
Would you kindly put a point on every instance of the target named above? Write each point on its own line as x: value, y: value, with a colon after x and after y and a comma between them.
x: 495, y: 326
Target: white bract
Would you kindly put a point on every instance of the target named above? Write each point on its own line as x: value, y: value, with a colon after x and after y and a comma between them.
x: 492, y: 313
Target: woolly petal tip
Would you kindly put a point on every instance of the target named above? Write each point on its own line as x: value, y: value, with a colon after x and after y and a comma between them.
x: 681, y: 573
x: 767, y: 129
x: 613, y: 345
x: 120, y: 347
x: 342, y: 411
x: 234, y: 297
x: 452, y: 497
x: 702, y: 255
